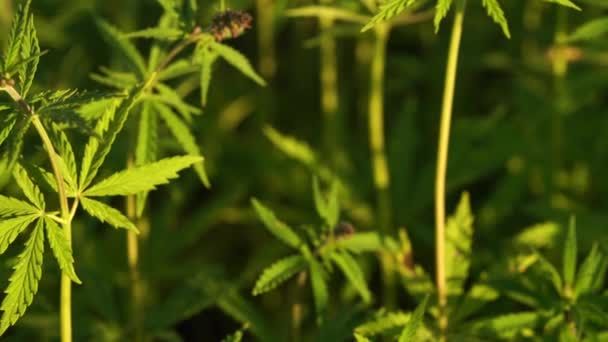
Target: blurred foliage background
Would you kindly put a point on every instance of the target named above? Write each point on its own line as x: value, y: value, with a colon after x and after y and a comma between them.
x: 528, y: 142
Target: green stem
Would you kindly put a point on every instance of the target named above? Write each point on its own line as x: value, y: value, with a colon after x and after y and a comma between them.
x: 266, y: 45
x: 222, y: 5
x: 137, y: 295
x: 329, y: 86
x: 66, y: 283
x: 560, y: 69
x: 442, y: 163
x: 378, y: 154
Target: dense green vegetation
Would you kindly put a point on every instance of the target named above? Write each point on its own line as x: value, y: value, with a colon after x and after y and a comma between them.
x: 273, y: 170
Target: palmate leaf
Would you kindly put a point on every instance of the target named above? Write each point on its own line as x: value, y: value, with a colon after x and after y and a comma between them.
x: 30, y: 190
x: 11, y: 228
x: 441, y: 11
x: 30, y: 52
x: 168, y: 96
x: 505, y: 326
x: 565, y: 3
x: 7, y: 122
x: 320, y: 291
x: 18, y: 33
x: 67, y: 99
x: 292, y: 147
x: 592, y: 268
x: 146, y: 150
x: 459, y: 236
x: 411, y: 329
x: 383, y: 322
x: 388, y: 10
x: 61, y: 249
x: 328, y: 209
x: 589, y: 31
x: 496, y: 13
x: 14, y: 207
x: 207, y: 59
x: 237, y: 60
x: 105, y: 213
x: 108, y: 127
x: 11, y: 150
x: 279, y: 229
x: 141, y: 178
x: 353, y: 273
x: 176, y: 69
x: 23, y: 283
x: 278, y: 273
x: 115, y: 39
x: 570, y: 252
x: 66, y: 156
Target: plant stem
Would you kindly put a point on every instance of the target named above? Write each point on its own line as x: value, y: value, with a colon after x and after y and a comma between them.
x: 266, y: 46
x: 66, y: 283
x: 329, y: 86
x: 378, y: 154
x: 297, y: 308
x: 442, y: 163
x: 559, y: 68
x: 137, y: 295
x: 133, y: 260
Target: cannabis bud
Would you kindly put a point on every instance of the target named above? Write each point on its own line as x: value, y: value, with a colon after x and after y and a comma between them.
x: 230, y: 24
x: 344, y: 229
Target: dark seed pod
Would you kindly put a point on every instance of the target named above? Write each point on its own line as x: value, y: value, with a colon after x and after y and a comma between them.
x: 230, y: 24
x: 344, y: 229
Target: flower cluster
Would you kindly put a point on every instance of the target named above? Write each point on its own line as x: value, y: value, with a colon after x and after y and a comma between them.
x: 230, y: 24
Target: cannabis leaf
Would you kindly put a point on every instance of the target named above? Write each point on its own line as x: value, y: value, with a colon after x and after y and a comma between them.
x: 459, y: 233
x: 441, y: 11
x: 278, y: 273
x: 237, y: 60
x: 388, y: 10
x: 496, y: 13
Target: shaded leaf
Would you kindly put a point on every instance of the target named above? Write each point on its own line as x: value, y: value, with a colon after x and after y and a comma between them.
x: 278, y: 273
x: 105, y: 213
x: 61, y: 249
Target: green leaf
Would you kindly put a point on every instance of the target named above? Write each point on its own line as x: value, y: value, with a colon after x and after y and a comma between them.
x: 61, y: 249
x: 237, y: 60
x: 388, y: 10
x: 570, y: 252
x: 116, y: 79
x: 108, y: 127
x: 146, y: 150
x: 23, y: 283
x: 565, y: 3
x: 505, y: 326
x: 30, y: 190
x: 291, y: 146
x: 476, y: 298
x: 459, y: 236
x: 541, y: 235
x: 14, y: 207
x: 7, y: 122
x: 547, y: 268
x: 105, y: 213
x: 66, y: 157
x: 67, y: 100
x: 441, y: 11
x: 30, y: 53
x: 11, y: 151
x: 320, y: 202
x: 589, y: 31
x: 367, y: 242
x: 496, y: 13
x: 319, y: 288
x: 170, y: 97
x: 590, y: 269
x: 18, y: 32
x: 141, y: 178
x: 353, y: 273
x: 114, y: 38
x: 278, y: 273
x: 237, y: 336
x: 409, y: 332
x: 279, y: 229
x: 160, y: 33
x: 184, y: 137
x: 11, y: 228
x: 208, y: 58
x: 176, y: 69
x: 383, y: 322
x: 361, y: 338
